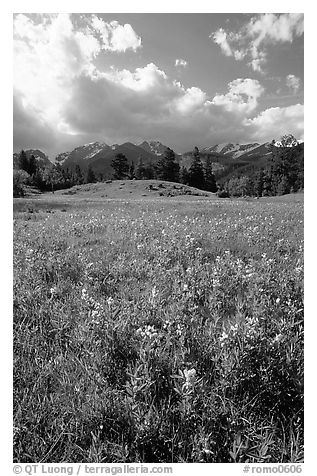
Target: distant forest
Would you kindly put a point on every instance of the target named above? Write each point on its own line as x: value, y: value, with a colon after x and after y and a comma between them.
x: 281, y: 173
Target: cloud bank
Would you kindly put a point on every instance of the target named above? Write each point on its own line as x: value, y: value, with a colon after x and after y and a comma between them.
x: 62, y: 99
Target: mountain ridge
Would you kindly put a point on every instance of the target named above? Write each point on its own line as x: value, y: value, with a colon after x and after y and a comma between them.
x: 225, y: 157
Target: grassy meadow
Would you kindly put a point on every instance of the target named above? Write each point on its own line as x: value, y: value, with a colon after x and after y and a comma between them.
x: 165, y: 329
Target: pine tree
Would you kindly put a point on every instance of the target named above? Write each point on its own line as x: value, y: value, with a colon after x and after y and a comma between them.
x: 283, y: 186
x: 267, y: 183
x: 90, y: 175
x: 258, y: 183
x: 196, y: 171
x: 23, y: 161
x: 78, y: 176
x: 210, y: 180
x: 167, y: 167
x: 120, y: 166
x: 53, y: 177
x: 131, y: 171
x: 32, y: 165
x: 184, y: 176
x: 148, y: 172
x: 285, y: 165
x: 139, y: 171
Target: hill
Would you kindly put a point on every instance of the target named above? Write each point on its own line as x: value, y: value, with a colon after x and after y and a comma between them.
x: 133, y: 189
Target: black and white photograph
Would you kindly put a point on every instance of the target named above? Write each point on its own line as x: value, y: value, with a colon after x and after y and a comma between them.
x: 158, y: 240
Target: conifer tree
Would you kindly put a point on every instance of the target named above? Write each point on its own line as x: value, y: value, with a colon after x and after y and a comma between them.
x: 259, y: 183
x: 184, y: 176
x: 23, y: 161
x: 90, y: 175
x: 131, y: 171
x: 210, y: 180
x: 196, y: 171
x: 167, y: 167
x: 78, y: 176
x: 149, y: 172
x: 32, y: 166
x: 139, y: 171
x: 120, y: 166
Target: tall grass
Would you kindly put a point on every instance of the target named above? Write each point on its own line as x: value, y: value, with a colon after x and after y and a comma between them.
x: 159, y: 331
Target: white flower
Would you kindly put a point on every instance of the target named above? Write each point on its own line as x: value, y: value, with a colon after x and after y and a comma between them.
x: 53, y: 291
x: 190, y: 376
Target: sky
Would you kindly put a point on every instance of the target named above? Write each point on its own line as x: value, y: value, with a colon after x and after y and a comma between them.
x: 186, y: 79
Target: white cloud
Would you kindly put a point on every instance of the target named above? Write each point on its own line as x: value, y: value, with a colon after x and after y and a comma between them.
x: 293, y: 82
x: 181, y: 62
x: 272, y: 28
x: 220, y: 38
x: 242, y: 96
x: 277, y: 121
x: 191, y: 99
x: 142, y: 79
x: 62, y: 99
x: 47, y: 57
x: 254, y: 37
x: 116, y: 37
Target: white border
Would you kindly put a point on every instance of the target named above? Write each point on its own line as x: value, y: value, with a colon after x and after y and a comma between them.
x: 197, y: 6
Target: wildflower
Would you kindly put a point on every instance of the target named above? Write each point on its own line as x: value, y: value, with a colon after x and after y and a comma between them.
x: 277, y: 339
x: 53, y: 291
x: 84, y: 294
x: 190, y: 376
x: 179, y: 330
x: 147, y: 332
x: 223, y: 338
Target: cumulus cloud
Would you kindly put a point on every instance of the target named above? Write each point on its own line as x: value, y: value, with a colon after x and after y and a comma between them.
x: 242, y: 96
x: 293, y: 83
x: 253, y: 39
x: 220, y: 38
x: 181, y: 62
x: 277, y: 121
x: 62, y: 99
x: 115, y: 37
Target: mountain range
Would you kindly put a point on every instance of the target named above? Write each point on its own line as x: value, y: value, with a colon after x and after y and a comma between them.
x: 99, y: 155
x: 95, y: 152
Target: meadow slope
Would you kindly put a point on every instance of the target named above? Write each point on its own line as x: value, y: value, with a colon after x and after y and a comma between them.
x: 165, y: 329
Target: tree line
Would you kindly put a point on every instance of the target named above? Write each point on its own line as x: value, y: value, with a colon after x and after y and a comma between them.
x: 168, y: 169
x: 32, y: 172
x: 283, y: 173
